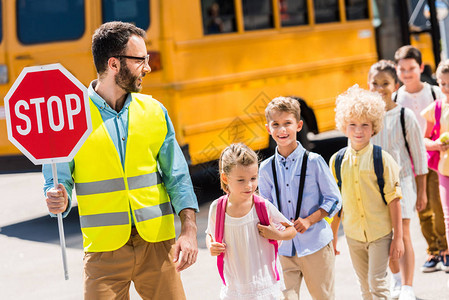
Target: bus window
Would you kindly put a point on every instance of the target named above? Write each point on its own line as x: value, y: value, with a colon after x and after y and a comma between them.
x: 257, y: 14
x: 293, y: 12
x: 356, y: 9
x: 218, y: 16
x: 40, y: 21
x: 326, y: 11
x: 132, y: 11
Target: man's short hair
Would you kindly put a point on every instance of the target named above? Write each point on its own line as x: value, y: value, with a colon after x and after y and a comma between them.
x: 408, y: 52
x: 111, y: 39
x: 283, y: 104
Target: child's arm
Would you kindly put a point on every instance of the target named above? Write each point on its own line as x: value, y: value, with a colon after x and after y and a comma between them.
x: 421, y: 201
x: 335, y: 225
x: 270, y: 232
x: 418, y: 155
x: 433, y: 145
x: 397, y: 245
x: 301, y: 225
x: 215, y: 248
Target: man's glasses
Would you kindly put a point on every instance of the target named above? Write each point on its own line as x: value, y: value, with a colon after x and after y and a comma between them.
x: 144, y: 59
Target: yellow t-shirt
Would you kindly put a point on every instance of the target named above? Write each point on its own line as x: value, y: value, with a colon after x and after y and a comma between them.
x: 365, y: 216
x: 429, y: 114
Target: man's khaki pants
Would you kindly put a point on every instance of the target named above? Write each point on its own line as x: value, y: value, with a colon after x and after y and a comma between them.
x: 108, y: 275
x: 431, y: 218
x: 318, y: 270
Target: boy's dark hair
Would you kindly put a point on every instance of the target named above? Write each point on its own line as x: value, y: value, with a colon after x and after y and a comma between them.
x: 408, y: 52
x: 111, y: 39
x: 384, y: 66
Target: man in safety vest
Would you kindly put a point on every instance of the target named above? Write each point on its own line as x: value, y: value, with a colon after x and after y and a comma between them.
x: 128, y: 175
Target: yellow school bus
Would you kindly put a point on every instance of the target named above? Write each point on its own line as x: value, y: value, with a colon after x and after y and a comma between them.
x: 215, y: 63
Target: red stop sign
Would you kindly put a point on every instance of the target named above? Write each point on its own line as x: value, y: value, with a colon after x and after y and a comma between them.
x: 47, y: 114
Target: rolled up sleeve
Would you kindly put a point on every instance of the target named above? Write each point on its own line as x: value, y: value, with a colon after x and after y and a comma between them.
x: 331, y: 201
x: 392, y: 188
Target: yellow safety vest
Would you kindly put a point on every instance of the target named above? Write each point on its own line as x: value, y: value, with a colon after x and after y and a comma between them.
x: 106, y: 191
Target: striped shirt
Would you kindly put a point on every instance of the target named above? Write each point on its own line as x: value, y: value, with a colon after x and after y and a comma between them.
x: 391, y: 139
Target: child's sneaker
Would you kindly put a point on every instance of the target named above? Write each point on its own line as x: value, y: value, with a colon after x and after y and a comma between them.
x: 395, y: 289
x: 407, y: 293
x: 445, y: 263
x: 432, y: 264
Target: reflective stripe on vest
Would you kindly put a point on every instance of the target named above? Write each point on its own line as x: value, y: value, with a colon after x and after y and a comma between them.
x: 121, y: 218
x: 117, y: 184
x: 151, y: 212
x: 108, y: 219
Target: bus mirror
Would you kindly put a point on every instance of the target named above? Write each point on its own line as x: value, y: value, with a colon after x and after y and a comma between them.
x: 3, y: 74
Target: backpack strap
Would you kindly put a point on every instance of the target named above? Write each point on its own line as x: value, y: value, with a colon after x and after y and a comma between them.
x: 262, y: 214
x: 434, y: 96
x: 337, y: 165
x: 301, y: 183
x: 275, y: 180
x: 404, y: 132
x: 337, y: 169
x: 219, y: 231
x: 437, y: 126
x: 379, y: 170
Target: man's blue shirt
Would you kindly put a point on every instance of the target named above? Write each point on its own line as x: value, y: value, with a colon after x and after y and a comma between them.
x: 320, y: 191
x: 171, y: 161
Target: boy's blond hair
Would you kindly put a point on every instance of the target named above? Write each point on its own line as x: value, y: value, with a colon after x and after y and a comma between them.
x: 233, y: 155
x: 283, y: 104
x: 443, y: 68
x: 357, y: 104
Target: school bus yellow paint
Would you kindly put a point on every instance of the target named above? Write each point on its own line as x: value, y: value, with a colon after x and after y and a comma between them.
x: 216, y: 86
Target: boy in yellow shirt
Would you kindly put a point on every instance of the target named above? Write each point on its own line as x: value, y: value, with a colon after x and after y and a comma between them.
x: 368, y: 216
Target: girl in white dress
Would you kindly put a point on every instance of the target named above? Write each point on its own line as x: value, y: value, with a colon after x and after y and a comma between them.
x: 249, y: 258
x: 405, y: 149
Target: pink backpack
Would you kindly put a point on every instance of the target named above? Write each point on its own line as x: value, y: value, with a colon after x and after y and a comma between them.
x: 262, y: 213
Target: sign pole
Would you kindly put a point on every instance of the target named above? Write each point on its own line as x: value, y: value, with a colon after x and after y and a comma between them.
x: 48, y: 120
x: 60, y: 226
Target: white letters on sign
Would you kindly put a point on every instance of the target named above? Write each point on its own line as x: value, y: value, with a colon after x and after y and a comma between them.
x: 56, y: 119
x: 23, y: 117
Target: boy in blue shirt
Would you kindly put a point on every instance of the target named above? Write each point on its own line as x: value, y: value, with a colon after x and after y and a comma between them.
x: 310, y: 255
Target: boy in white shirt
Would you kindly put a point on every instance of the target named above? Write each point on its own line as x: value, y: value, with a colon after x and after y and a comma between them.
x: 417, y: 95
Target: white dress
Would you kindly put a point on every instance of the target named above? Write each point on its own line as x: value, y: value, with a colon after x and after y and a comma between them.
x: 249, y: 257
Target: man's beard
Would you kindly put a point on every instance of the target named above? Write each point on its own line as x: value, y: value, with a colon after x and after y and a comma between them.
x: 127, y: 81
